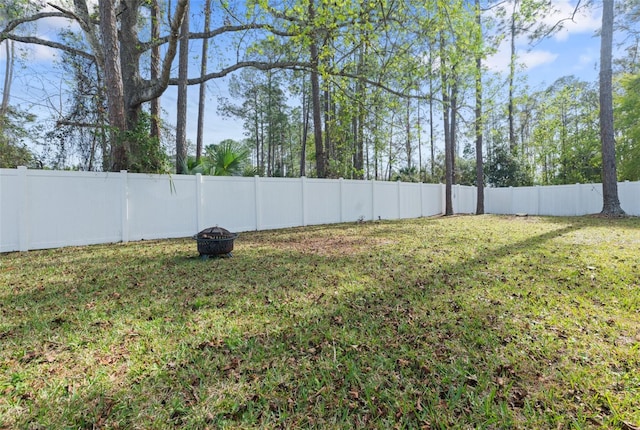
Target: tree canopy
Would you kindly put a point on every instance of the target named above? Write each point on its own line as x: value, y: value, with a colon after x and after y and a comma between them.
x: 378, y: 89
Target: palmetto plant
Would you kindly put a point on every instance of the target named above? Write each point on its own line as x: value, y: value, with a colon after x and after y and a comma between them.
x: 227, y: 158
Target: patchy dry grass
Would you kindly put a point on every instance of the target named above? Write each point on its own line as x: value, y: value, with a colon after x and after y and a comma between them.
x: 462, y: 322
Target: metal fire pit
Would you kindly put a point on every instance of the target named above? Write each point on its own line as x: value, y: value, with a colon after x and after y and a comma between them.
x: 215, y: 242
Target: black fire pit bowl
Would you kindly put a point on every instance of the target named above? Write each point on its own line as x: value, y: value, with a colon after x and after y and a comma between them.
x: 215, y: 242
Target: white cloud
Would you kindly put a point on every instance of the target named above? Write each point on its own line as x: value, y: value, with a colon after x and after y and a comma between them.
x: 533, y: 59
x: 526, y: 60
x: 38, y: 53
x: 585, y: 20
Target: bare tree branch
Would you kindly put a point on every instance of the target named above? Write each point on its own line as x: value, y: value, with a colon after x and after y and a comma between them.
x: 216, y: 32
x: 260, y: 65
x: 50, y: 44
x: 13, y: 24
x: 156, y: 88
x: 558, y: 25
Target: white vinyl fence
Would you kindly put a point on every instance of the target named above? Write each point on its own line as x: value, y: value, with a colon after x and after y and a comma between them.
x: 559, y: 200
x: 47, y: 209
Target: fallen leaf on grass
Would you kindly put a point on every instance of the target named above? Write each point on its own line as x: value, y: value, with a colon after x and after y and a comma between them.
x: 628, y: 426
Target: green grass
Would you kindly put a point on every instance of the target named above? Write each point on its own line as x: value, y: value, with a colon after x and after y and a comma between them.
x: 460, y: 322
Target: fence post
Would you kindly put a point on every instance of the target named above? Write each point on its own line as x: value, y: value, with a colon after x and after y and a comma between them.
x: 125, y: 205
x: 199, y: 197
x: 399, y: 204
x: 578, y: 195
x: 23, y: 209
x: 303, y: 190
x: 256, y: 190
x: 373, y: 199
x: 421, y: 199
x: 341, y: 200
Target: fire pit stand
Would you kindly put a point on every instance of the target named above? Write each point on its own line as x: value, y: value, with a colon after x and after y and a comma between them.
x: 215, y: 242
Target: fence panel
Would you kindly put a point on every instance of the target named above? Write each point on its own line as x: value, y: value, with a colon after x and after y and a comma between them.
x: 280, y: 203
x: 590, y: 199
x: 160, y: 206
x: 386, y: 203
x: 46, y: 209
x: 525, y: 200
x: 498, y: 200
x: 410, y: 197
x: 464, y: 199
x: 11, y: 194
x: 432, y: 197
x: 64, y: 208
x: 357, y: 200
x: 321, y: 201
x: 227, y: 202
x: 629, y: 194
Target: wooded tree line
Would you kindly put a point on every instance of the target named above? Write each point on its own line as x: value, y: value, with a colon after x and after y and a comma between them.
x: 376, y: 89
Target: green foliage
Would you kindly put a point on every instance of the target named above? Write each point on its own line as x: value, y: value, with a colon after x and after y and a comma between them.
x: 268, y: 122
x: 504, y: 169
x: 12, y: 156
x: 13, y: 150
x: 565, y: 134
x: 465, y: 171
x: 227, y: 158
x: 627, y: 116
x: 147, y: 154
x: 406, y: 174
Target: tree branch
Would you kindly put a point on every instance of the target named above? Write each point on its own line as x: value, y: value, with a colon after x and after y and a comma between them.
x: 12, y: 25
x: 558, y: 25
x: 285, y: 65
x: 145, y: 46
x: 50, y: 44
x: 155, y: 89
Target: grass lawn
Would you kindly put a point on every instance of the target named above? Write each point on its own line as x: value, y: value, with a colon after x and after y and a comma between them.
x: 459, y: 322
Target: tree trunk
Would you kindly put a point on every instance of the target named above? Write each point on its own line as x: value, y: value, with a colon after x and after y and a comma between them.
x: 478, y: 120
x: 454, y: 124
x: 183, y: 70
x: 8, y: 77
x: 431, y: 125
x: 611, y: 203
x: 321, y: 170
x: 512, y: 74
x: 203, y: 86
x: 114, y: 85
x: 305, y: 131
x: 358, y: 158
x: 328, y: 144
x: 448, y: 150
x: 407, y: 143
x: 155, y: 69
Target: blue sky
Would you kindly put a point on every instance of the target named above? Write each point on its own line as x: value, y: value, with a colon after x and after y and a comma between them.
x: 574, y: 50
x: 38, y: 85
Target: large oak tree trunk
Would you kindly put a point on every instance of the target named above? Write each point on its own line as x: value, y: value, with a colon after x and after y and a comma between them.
x: 114, y: 85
